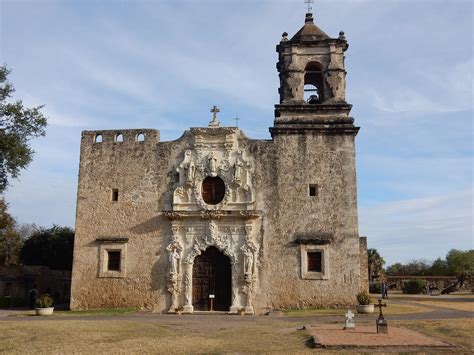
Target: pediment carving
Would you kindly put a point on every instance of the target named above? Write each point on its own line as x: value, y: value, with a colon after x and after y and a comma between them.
x: 214, y: 153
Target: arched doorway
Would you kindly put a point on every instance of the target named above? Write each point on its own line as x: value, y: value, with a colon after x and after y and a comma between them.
x: 212, y: 276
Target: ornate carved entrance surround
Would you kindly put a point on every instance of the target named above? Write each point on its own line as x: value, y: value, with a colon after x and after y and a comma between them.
x: 230, y: 224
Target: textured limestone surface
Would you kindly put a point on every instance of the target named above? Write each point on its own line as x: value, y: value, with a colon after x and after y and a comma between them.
x: 144, y: 173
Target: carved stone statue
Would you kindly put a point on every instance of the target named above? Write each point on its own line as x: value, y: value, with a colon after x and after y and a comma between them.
x: 184, y: 168
x: 173, y: 260
x: 189, y: 169
x: 238, y: 170
x: 248, y: 262
x: 212, y: 159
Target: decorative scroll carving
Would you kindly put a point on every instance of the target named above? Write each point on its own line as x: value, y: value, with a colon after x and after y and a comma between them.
x: 211, y: 238
x: 212, y: 214
x: 213, y: 159
x: 336, y: 85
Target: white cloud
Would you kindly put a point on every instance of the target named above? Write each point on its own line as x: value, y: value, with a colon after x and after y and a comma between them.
x: 419, y: 228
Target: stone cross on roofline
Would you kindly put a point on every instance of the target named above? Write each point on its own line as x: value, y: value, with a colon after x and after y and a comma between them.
x: 215, y: 121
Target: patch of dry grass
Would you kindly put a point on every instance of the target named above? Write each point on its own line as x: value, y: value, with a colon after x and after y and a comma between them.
x: 460, y: 306
x: 454, y: 331
x: 393, y: 308
x: 390, y: 310
x: 96, y: 312
x: 118, y: 336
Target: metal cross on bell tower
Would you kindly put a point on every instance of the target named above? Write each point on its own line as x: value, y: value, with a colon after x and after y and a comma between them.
x: 309, y: 3
x: 215, y: 121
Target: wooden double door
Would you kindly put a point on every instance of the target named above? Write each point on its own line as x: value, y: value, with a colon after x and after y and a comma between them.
x: 212, y: 275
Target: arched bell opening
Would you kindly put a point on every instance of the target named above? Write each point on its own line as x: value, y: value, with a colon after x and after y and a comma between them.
x: 212, y: 280
x: 313, y: 83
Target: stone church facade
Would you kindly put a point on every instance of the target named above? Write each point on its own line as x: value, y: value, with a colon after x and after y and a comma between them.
x: 217, y: 221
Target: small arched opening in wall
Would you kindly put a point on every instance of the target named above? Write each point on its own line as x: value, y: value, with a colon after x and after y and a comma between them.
x: 213, y: 190
x: 119, y: 137
x: 140, y: 137
x: 98, y: 138
x: 313, y: 83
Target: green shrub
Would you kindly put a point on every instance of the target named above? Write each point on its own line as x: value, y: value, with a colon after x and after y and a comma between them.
x: 44, y: 301
x: 375, y: 287
x: 363, y: 298
x: 413, y: 287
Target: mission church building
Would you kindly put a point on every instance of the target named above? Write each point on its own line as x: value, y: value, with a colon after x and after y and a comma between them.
x: 217, y: 221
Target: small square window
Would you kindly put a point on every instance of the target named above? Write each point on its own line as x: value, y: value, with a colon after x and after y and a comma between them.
x: 115, y: 195
x: 313, y: 190
x: 112, y: 257
x: 113, y: 260
x: 315, y: 261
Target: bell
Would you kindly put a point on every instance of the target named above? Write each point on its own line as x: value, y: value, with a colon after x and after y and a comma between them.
x: 313, y: 99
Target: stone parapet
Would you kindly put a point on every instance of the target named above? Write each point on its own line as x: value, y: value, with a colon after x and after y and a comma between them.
x: 140, y: 135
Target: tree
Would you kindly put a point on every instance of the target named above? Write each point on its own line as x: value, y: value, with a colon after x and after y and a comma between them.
x: 439, y: 268
x: 396, y: 269
x: 413, y: 268
x: 461, y: 264
x: 418, y: 267
x: 51, y: 247
x: 375, y: 262
x: 18, y: 125
x: 10, y: 240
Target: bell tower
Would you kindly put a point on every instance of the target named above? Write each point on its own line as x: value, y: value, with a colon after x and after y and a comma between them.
x: 312, y: 82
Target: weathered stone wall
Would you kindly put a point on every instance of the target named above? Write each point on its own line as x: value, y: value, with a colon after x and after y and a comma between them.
x: 145, y: 174
x: 364, y: 265
x: 142, y: 173
x: 290, y: 213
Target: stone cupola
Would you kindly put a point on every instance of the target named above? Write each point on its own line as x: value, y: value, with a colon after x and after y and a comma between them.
x: 312, y: 81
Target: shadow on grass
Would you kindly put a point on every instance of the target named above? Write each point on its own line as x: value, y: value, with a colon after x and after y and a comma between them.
x: 97, y: 312
x: 310, y: 342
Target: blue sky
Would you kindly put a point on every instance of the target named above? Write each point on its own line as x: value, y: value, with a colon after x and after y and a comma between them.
x: 163, y: 64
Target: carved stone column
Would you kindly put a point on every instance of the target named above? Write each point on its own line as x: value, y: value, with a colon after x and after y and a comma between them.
x: 250, y: 251
x: 234, y: 308
x: 248, y: 306
x: 188, y: 289
x: 174, y: 249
